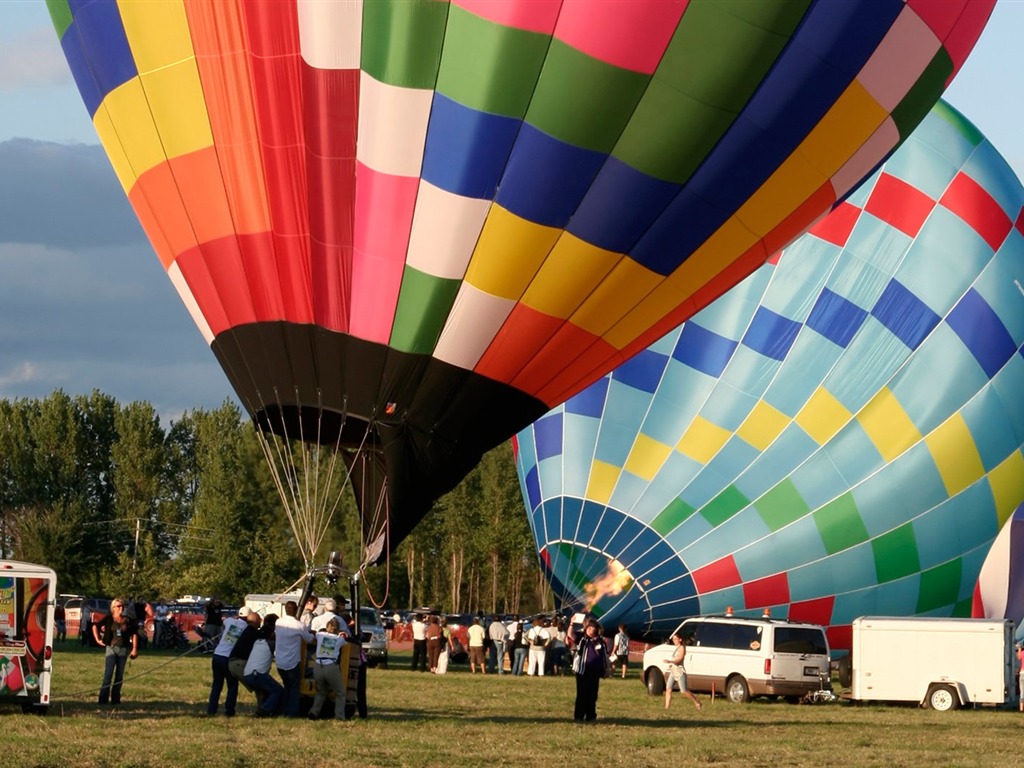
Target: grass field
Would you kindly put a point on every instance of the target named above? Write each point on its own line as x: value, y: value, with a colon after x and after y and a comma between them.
x: 418, y: 719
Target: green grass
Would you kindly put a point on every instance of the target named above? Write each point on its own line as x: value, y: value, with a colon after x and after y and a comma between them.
x: 418, y: 719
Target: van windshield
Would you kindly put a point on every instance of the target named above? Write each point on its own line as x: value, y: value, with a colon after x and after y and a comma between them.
x: 800, y: 640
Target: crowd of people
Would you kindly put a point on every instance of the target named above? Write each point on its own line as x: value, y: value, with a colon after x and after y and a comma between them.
x: 247, y: 646
x: 495, y: 646
x: 544, y: 647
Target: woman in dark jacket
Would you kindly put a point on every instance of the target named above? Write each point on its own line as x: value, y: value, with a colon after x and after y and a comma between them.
x: 590, y: 665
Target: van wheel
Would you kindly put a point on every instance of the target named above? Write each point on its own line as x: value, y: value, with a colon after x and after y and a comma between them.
x: 941, y: 698
x: 737, y: 690
x: 655, y: 682
x: 845, y: 668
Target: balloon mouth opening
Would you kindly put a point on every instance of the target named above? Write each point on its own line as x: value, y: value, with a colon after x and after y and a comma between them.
x: 587, y: 580
x: 612, y: 565
x: 319, y: 425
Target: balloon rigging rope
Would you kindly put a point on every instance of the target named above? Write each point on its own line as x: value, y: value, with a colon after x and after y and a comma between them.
x: 307, y: 502
x: 287, y: 487
x: 311, y: 512
x: 387, y: 560
x: 324, y: 515
x: 276, y: 468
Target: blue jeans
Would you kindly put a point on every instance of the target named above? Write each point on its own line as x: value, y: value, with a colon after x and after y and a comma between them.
x: 498, y: 656
x: 291, y: 678
x: 113, y: 668
x: 519, y: 659
x: 222, y: 677
x: 263, y: 683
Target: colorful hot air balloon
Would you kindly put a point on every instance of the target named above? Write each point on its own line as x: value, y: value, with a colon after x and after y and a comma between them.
x: 999, y: 593
x: 407, y: 229
x: 838, y: 435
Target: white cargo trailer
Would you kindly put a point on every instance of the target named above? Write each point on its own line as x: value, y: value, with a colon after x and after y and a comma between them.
x: 939, y: 663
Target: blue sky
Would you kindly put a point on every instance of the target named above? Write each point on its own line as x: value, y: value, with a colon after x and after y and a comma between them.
x: 84, y: 303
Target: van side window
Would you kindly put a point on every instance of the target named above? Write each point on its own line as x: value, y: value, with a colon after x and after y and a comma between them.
x: 747, y: 638
x: 800, y: 640
x: 714, y: 635
x: 689, y: 631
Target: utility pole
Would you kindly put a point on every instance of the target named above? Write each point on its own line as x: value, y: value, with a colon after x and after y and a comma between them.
x: 135, y: 549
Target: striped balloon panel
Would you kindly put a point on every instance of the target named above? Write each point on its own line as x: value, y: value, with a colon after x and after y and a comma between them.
x: 428, y: 175
x: 842, y: 430
x: 999, y: 591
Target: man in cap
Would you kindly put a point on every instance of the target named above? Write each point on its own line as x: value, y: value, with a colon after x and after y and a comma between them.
x: 243, y: 645
x: 233, y: 628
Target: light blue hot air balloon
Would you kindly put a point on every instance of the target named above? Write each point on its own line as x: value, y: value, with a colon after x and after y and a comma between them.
x: 838, y: 435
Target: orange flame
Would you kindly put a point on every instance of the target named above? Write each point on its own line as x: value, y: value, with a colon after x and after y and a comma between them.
x: 612, y: 582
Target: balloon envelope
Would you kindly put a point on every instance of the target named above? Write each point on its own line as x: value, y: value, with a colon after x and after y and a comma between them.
x: 839, y: 435
x: 999, y: 593
x: 416, y: 226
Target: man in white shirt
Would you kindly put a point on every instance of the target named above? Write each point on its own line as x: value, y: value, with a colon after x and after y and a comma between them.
x: 475, y: 636
x: 539, y: 638
x: 290, y: 636
x: 419, y: 643
x: 498, y: 633
x: 330, y: 612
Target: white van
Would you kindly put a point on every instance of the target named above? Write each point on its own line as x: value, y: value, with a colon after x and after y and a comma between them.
x: 27, y: 596
x: 744, y: 658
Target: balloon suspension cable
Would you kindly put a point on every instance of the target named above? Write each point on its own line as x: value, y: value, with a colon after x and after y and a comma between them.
x: 284, y: 473
x: 326, y: 515
x: 381, y: 501
x: 287, y: 590
x: 307, y: 499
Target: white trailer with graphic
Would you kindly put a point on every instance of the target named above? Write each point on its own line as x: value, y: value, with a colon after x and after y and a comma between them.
x: 938, y: 663
x: 27, y: 596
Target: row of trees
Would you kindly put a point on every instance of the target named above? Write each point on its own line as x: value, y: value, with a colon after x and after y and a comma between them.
x: 117, y: 504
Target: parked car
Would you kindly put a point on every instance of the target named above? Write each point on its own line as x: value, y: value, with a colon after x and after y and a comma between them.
x: 190, y: 618
x: 373, y: 637
x: 98, y: 607
x: 744, y: 658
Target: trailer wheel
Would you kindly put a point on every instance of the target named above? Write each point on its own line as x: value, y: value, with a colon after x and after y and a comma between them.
x: 737, y: 690
x: 655, y: 681
x: 942, y: 698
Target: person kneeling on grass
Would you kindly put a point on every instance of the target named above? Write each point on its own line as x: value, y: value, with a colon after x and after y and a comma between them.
x: 327, y: 671
x: 256, y: 676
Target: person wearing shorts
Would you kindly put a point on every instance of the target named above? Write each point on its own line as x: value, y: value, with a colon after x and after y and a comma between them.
x: 620, y: 650
x: 476, y: 637
x: 677, y: 674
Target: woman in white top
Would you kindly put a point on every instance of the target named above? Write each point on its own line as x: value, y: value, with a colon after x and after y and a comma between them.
x: 677, y: 674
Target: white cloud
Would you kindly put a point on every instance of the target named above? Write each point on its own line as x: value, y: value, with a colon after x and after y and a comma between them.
x: 32, y: 59
x: 21, y: 373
